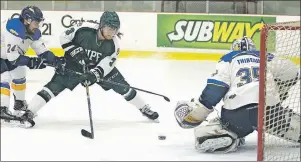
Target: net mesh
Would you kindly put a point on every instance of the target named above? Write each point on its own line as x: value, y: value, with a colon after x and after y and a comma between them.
x: 281, y: 114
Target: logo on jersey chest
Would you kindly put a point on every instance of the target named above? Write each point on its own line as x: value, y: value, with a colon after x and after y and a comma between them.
x: 93, y: 55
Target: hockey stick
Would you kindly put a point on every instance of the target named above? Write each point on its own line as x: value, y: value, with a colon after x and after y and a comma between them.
x: 84, y: 132
x: 142, y: 90
x: 122, y: 85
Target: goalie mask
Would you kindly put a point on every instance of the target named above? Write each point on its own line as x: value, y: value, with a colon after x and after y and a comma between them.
x: 243, y: 44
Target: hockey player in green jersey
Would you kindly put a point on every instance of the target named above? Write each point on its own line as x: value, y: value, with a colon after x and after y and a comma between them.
x: 95, y: 46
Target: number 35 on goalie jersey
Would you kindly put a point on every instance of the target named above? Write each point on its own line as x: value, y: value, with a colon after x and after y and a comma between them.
x: 235, y: 80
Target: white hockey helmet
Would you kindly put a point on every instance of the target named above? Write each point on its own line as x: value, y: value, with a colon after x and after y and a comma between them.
x: 243, y: 44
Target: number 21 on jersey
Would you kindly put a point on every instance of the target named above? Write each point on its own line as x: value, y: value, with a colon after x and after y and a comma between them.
x: 247, y: 75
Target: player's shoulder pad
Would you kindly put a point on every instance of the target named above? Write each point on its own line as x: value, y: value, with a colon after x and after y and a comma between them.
x: 17, y: 28
x: 87, y: 25
x: 231, y: 55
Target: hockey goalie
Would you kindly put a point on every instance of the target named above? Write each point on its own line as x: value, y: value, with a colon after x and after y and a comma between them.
x: 236, y: 81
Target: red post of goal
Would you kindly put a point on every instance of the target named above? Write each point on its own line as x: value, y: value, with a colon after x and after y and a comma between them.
x: 261, y: 105
x: 283, y: 41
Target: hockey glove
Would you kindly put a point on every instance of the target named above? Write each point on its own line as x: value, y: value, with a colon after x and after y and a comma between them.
x: 80, y: 55
x: 36, y: 63
x: 59, y: 63
x: 51, y: 60
x: 93, y: 76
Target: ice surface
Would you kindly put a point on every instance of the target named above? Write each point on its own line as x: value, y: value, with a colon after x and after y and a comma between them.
x: 121, y: 132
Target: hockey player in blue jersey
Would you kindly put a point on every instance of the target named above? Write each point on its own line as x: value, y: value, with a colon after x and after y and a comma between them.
x: 236, y: 82
x: 17, y: 35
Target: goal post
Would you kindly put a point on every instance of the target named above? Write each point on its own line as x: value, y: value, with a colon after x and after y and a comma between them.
x: 283, y: 41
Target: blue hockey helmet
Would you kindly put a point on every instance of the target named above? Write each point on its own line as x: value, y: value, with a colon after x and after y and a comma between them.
x: 32, y: 13
x: 243, y: 44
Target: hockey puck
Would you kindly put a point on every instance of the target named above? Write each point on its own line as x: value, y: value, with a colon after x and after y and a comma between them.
x: 161, y: 137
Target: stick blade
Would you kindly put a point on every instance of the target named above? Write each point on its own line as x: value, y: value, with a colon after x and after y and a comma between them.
x: 166, y: 99
x: 87, y: 134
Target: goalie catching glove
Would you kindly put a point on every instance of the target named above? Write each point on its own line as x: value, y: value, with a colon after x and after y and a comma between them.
x: 191, y: 114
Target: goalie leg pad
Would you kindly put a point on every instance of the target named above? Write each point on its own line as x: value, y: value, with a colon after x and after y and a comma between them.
x: 213, y: 143
x: 214, y: 138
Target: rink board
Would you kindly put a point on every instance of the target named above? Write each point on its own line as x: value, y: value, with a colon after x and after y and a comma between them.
x: 174, y: 36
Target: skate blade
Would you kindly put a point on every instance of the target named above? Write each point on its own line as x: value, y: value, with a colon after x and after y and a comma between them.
x: 18, y: 113
x: 153, y: 120
x: 14, y: 124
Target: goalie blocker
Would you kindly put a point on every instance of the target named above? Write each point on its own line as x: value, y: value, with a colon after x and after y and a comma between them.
x: 239, y: 113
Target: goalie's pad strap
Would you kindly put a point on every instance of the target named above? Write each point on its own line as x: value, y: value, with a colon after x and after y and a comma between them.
x: 213, y: 137
x: 216, y: 143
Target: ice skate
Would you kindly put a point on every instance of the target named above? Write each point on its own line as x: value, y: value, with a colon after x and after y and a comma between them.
x: 20, y: 107
x: 13, y: 121
x: 146, y: 111
x: 6, y: 115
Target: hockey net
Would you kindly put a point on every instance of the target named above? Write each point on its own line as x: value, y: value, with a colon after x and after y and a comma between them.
x: 279, y: 77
